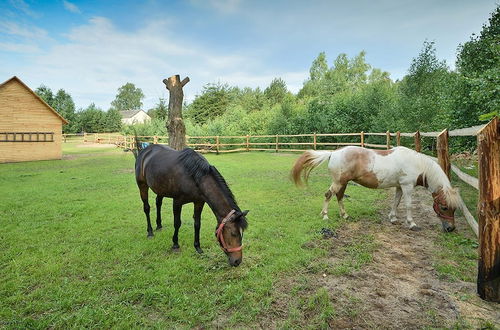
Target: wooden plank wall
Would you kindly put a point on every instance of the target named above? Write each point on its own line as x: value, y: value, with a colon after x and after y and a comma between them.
x: 21, y: 111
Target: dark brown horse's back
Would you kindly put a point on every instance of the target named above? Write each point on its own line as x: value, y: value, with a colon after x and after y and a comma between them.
x: 159, y: 168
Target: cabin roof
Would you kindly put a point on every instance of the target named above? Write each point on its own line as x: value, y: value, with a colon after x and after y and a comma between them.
x: 130, y: 113
x: 34, y: 94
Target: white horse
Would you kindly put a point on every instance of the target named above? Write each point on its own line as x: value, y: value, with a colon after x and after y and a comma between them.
x: 398, y: 167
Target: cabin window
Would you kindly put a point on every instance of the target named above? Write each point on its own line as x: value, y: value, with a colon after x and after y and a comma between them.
x: 26, y: 136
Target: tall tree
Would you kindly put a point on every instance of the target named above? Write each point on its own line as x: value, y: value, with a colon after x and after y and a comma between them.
x: 426, y: 92
x: 160, y: 111
x: 478, y: 65
x: 64, y: 105
x: 319, y: 67
x: 129, y: 97
x: 45, y: 93
x: 213, y: 102
x: 276, y: 91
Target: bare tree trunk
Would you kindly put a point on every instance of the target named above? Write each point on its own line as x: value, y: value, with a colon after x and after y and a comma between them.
x: 175, y: 124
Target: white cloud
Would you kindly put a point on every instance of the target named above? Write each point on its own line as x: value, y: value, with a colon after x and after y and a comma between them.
x: 24, y: 7
x: 30, y: 32
x: 71, y: 7
x: 97, y: 58
x: 19, y: 48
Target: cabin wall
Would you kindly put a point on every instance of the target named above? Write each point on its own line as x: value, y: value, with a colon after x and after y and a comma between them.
x: 21, y: 111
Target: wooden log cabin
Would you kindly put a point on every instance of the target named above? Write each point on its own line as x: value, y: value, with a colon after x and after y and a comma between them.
x: 30, y: 129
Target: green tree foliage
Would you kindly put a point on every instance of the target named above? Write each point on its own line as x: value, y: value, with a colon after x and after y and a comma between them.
x: 63, y: 103
x: 112, y: 121
x: 45, y: 93
x: 92, y: 119
x: 160, y: 110
x: 213, y: 102
x: 478, y: 65
x: 276, y: 91
x: 129, y: 97
x: 426, y: 92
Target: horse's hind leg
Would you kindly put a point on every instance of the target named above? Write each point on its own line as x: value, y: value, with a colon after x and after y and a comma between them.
x: 159, y: 200
x: 198, y: 208
x: 144, y: 196
x: 177, y: 208
x: 340, y: 200
x: 397, y: 199
x: 334, y: 188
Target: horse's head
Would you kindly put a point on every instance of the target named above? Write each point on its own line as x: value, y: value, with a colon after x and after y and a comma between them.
x: 445, y: 204
x: 229, y: 233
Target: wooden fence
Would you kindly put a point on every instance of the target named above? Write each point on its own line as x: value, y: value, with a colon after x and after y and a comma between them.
x: 488, y: 184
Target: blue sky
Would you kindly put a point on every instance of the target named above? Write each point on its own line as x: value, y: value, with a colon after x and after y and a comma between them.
x: 91, y: 48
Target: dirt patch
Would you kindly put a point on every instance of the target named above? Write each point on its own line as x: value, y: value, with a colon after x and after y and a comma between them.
x: 399, y: 288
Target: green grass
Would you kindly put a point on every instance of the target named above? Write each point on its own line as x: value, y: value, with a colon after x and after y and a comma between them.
x: 75, y: 253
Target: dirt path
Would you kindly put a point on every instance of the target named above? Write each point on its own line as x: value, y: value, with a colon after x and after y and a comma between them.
x: 399, y: 288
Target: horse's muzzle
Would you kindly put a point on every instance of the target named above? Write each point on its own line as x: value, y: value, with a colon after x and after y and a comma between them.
x: 447, y: 227
x: 235, y: 262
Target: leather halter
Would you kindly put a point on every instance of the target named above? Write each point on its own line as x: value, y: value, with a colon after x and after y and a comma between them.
x: 220, y: 236
x: 438, y: 212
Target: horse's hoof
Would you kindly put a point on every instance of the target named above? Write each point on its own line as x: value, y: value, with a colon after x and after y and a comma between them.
x: 159, y: 228
x: 150, y: 236
x: 199, y: 250
x: 325, y: 217
x: 393, y: 220
x: 176, y: 249
x: 345, y: 216
x: 415, y: 228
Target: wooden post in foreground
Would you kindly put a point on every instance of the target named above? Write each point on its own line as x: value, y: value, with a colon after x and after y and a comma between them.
x: 418, y: 146
x: 398, y: 138
x: 217, y: 144
x: 442, y: 152
x: 175, y: 124
x: 488, y: 277
x: 314, y: 141
x: 276, y: 142
x: 388, y: 135
x: 362, y: 139
x: 248, y: 142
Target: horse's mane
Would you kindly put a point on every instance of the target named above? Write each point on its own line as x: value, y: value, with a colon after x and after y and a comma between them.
x: 198, y: 167
x: 435, y: 177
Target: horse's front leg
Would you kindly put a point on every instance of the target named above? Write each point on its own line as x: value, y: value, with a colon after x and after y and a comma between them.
x: 177, y: 208
x: 397, y: 199
x: 159, y: 200
x: 198, y: 208
x: 407, y: 192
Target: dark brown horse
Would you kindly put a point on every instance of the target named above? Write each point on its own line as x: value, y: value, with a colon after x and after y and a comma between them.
x: 187, y: 177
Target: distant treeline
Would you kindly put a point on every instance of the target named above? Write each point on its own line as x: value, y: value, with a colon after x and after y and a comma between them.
x: 347, y: 96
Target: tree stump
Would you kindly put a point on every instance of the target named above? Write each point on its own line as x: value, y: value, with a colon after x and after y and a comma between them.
x: 175, y: 125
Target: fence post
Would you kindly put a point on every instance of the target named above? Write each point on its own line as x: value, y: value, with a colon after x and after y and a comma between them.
x: 96, y: 138
x: 276, y: 142
x: 217, y: 144
x: 248, y: 142
x: 362, y: 139
x: 398, y: 138
x: 442, y: 152
x: 314, y: 140
x: 418, y: 146
x: 388, y: 135
x: 488, y: 277
x: 155, y: 140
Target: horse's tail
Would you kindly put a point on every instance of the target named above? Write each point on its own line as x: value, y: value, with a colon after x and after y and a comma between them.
x: 306, y: 163
x: 138, y: 145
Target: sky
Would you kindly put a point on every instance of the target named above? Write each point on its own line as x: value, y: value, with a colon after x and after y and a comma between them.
x: 91, y: 48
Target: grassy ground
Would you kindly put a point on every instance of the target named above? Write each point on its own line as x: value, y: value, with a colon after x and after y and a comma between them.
x: 75, y: 253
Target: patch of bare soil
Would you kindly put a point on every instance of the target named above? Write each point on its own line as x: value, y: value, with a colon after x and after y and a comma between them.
x: 398, y: 289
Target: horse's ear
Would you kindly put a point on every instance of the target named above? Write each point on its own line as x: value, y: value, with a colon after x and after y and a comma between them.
x: 244, y: 213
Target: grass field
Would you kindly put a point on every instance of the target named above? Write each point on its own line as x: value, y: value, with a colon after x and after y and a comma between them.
x: 75, y: 253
